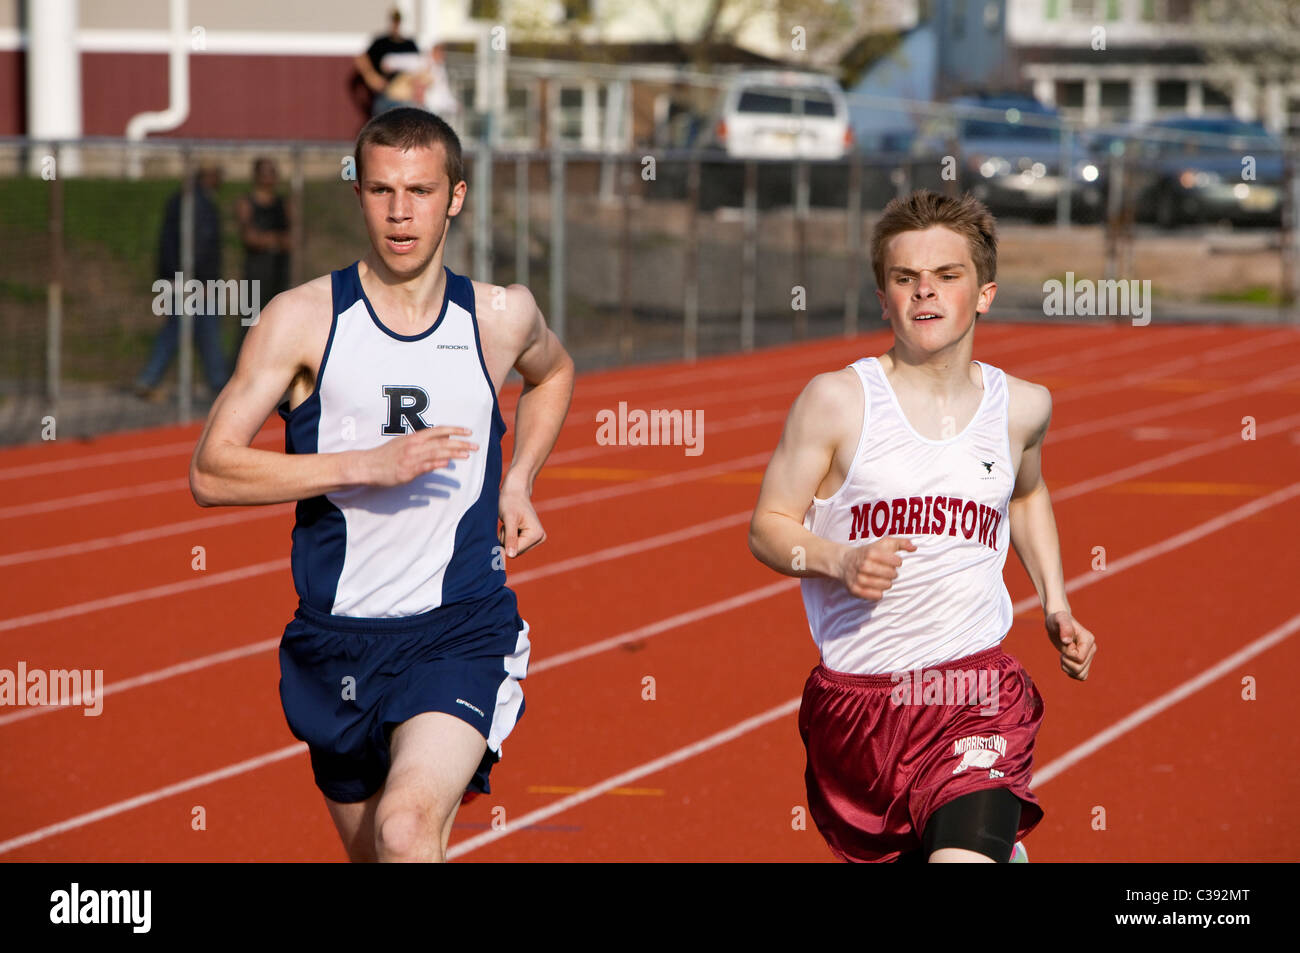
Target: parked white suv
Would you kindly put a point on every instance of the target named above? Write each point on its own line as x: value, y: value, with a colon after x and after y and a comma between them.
x: 772, y: 114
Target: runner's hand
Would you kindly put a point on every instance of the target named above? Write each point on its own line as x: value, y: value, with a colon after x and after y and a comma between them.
x: 1075, y: 643
x: 867, y: 571
x: 404, y: 458
x: 520, y: 530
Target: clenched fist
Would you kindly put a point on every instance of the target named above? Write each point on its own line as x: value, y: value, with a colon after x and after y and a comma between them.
x: 1075, y: 643
x: 867, y: 571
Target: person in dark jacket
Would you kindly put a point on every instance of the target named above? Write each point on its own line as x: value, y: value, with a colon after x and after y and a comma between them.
x: 207, y: 267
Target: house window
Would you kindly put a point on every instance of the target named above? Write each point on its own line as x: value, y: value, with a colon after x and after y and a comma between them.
x: 569, y: 125
x: 1115, y: 97
x: 1214, y: 99
x: 518, y: 124
x: 576, y: 10
x: 1051, y: 9
x: 1069, y: 93
x: 484, y: 9
x: 1171, y: 94
x: 1083, y: 9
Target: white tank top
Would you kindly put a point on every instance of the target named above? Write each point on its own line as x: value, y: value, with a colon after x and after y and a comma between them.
x: 383, y: 552
x: 949, y: 497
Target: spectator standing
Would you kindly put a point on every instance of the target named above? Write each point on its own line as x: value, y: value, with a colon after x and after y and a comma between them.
x: 207, y: 267
x: 371, y: 66
x: 265, y: 231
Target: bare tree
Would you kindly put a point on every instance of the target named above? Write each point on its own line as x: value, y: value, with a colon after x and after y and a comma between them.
x: 1258, y: 36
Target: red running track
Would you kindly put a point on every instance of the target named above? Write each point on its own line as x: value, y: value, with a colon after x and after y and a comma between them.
x: 647, y: 574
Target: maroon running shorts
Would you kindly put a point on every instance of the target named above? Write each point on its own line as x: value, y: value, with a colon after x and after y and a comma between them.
x: 886, y: 751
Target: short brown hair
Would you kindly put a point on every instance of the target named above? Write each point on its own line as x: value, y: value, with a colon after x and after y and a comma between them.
x: 409, y: 128
x: 923, y: 209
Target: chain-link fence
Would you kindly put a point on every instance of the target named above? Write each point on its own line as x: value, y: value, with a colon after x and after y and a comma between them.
x: 656, y: 255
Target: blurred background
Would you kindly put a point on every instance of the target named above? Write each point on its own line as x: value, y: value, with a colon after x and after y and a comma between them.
x: 672, y: 179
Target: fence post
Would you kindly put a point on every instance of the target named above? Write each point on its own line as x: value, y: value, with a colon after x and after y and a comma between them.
x: 483, y: 207
x: 1289, y: 241
x: 185, y: 361
x: 624, y: 327
x: 1067, y: 177
x: 298, y: 207
x: 521, y: 219
x: 853, y: 236
x: 557, y: 239
x: 801, y: 245
x: 1114, y: 212
x: 54, y: 299
x: 691, y: 306
x: 749, y: 264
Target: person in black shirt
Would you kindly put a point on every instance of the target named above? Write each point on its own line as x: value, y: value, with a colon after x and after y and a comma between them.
x: 264, y: 229
x: 370, y: 63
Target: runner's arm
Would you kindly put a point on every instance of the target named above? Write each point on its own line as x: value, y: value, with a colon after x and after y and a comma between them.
x: 802, y: 459
x: 1034, y: 535
x: 227, y: 471
x: 548, y: 376
x: 1032, y: 522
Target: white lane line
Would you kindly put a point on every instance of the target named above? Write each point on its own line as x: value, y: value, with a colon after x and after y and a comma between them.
x: 156, y: 592
x: 588, y: 560
x: 541, y: 572
x: 653, y: 483
x: 776, y: 386
x: 89, y: 499
x: 1058, y: 496
x: 1174, y: 457
x: 143, y: 535
x: 1168, y: 699
x: 1223, y: 353
x: 148, y: 678
x: 736, y: 602
x: 733, y: 423
x: 81, y: 820
x: 619, y: 780
x: 754, y: 419
x: 277, y: 509
x: 665, y: 625
x: 111, y: 457
x: 1143, y: 555
x: 1145, y: 414
x: 1051, y: 770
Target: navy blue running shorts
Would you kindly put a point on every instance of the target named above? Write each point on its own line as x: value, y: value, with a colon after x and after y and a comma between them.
x: 346, y: 682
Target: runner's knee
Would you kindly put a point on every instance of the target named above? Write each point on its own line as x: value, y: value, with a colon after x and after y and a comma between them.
x: 408, y: 834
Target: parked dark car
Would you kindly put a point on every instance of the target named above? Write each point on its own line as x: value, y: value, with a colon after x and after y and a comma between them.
x: 1009, y: 154
x: 1203, y: 169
